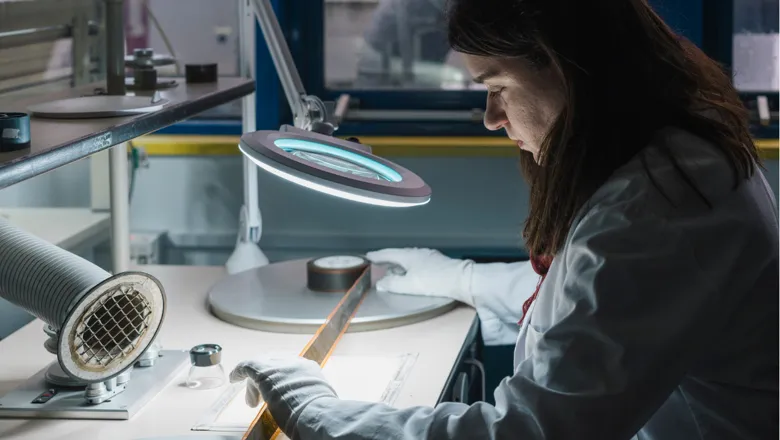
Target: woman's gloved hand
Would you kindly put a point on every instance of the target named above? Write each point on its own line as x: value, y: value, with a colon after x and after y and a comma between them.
x: 428, y: 273
x: 287, y: 385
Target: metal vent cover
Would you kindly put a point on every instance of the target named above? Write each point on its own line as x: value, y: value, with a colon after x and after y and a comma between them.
x: 111, y: 327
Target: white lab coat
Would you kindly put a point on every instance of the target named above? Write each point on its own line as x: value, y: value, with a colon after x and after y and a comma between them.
x: 499, y: 291
x: 657, y: 321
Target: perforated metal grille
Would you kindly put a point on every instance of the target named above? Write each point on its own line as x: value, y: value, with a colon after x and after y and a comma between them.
x: 109, y: 330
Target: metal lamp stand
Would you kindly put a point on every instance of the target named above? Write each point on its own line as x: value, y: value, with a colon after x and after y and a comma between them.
x: 309, y: 113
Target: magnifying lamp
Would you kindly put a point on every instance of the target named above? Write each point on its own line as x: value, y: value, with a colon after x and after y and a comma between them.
x: 333, y: 166
x: 307, y: 154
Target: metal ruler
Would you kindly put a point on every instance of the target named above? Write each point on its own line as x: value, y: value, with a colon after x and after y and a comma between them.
x: 319, y: 348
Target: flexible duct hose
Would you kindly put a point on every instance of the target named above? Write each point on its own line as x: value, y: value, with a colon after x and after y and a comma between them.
x: 43, y: 279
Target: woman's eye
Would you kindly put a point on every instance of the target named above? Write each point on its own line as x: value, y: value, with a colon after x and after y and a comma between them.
x: 494, y: 93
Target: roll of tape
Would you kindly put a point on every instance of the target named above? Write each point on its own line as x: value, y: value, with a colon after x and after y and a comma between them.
x: 14, y: 131
x: 200, y: 73
x: 335, y: 273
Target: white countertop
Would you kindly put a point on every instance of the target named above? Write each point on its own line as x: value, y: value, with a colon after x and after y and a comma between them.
x: 64, y: 227
x: 177, y: 409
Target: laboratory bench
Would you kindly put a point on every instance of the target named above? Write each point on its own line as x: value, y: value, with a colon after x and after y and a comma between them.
x: 441, y: 344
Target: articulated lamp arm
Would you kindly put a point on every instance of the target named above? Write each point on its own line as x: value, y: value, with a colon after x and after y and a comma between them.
x: 309, y: 112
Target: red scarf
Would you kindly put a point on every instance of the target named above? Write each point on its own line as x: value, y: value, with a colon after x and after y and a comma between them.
x: 541, y: 265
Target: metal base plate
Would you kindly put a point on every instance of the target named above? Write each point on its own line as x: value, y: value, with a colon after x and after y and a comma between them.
x: 98, y: 106
x: 275, y: 298
x: 69, y: 403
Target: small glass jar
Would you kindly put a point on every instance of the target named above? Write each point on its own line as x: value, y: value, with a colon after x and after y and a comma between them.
x: 206, y: 371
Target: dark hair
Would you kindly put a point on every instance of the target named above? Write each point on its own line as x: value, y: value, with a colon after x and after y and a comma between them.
x: 624, y: 74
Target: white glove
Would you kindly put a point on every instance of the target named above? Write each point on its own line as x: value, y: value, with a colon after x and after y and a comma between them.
x: 428, y: 273
x: 287, y: 385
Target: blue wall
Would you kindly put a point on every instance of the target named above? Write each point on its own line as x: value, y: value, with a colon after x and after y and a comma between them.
x: 684, y: 16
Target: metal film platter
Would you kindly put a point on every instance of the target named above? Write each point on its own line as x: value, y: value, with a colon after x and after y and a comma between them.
x: 275, y: 298
x: 98, y: 106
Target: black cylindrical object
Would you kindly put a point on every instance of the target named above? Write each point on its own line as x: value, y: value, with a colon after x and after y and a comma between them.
x: 145, y: 79
x: 200, y: 73
x: 14, y: 131
x: 335, y: 273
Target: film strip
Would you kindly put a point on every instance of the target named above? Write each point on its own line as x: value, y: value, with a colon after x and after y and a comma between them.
x: 318, y: 349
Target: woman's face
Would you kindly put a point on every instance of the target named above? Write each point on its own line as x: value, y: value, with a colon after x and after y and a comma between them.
x: 522, y: 100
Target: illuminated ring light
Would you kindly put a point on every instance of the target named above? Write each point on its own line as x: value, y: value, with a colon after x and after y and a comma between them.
x: 333, y: 166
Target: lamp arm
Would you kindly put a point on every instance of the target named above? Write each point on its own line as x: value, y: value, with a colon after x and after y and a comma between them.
x: 309, y: 112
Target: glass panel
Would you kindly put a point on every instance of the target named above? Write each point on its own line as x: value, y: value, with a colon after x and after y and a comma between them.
x: 755, y: 47
x: 337, y: 164
x: 390, y: 44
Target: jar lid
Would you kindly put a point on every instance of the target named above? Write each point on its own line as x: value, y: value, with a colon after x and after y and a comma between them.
x: 206, y: 355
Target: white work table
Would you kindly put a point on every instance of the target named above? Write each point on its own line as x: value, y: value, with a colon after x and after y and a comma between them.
x: 176, y: 409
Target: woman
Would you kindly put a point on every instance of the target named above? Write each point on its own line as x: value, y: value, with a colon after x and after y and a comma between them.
x: 650, y: 222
